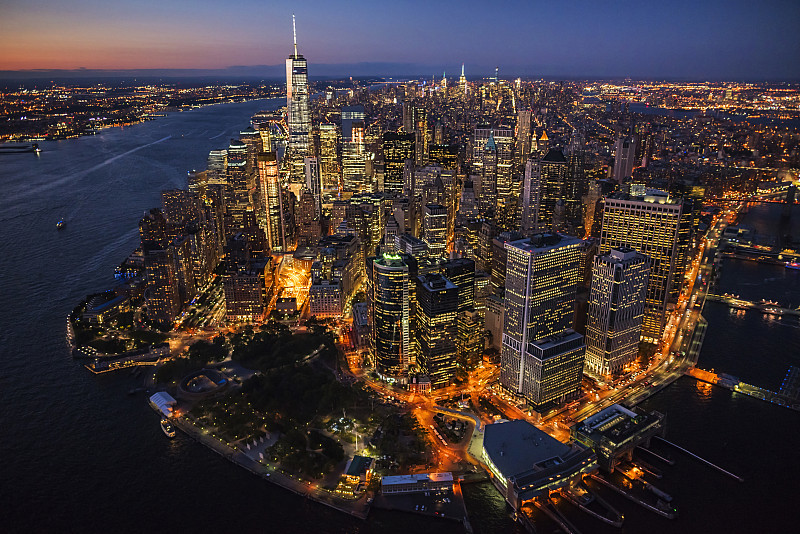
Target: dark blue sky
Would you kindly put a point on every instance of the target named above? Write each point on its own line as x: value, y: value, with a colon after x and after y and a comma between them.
x: 712, y: 39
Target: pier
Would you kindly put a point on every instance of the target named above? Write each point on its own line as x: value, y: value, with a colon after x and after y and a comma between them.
x: 771, y: 308
x: 665, y: 513
x: 693, y: 455
x: 665, y: 460
x: 734, y: 384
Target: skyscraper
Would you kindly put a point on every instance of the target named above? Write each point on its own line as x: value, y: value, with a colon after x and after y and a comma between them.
x: 502, y: 139
x: 350, y: 115
x: 462, y: 82
x: 422, y: 133
x: 238, y: 187
x: 435, y: 229
x: 314, y: 183
x: 297, y: 105
x: 624, y: 158
x: 354, y: 158
x: 163, y: 293
x: 329, y: 157
x: 616, y: 310
x: 436, y: 328
x: 531, y: 197
x: 272, y: 196
x: 651, y: 225
x: 397, y: 148
x: 388, y: 292
x: 243, y: 282
x: 553, y: 180
x: 523, y: 136
x: 308, y: 228
x: 542, y: 357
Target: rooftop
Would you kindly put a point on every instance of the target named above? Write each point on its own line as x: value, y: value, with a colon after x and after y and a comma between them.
x: 554, y: 155
x: 418, y: 477
x: 516, y: 447
x: 616, y: 424
x: 543, y: 242
x: 358, y: 465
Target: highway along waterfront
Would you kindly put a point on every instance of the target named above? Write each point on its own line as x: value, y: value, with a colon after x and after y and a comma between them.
x: 84, y: 451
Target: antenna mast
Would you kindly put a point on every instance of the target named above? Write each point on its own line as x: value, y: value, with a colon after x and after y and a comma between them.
x: 294, y: 34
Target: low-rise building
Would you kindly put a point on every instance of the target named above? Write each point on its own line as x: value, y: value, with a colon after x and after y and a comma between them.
x: 361, y: 328
x: 359, y: 469
x: 416, y: 483
x: 526, y: 463
x: 615, y: 431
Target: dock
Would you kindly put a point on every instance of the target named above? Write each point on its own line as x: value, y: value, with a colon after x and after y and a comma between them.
x: 734, y: 384
x: 770, y: 308
x: 664, y: 513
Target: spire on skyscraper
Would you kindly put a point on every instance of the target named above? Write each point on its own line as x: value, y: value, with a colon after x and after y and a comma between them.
x: 462, y: 70
x: 294, y: 35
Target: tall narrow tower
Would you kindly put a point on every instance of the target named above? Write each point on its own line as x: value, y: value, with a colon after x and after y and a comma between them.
x: 297, y: 106
x: 462, y: 82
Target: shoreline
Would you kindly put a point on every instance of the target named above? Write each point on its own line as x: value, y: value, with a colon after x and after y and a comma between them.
x: 358, y: 508
x: 147, y: 117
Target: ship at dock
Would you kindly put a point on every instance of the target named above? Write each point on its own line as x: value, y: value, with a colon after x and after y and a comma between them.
x: 167, y: 428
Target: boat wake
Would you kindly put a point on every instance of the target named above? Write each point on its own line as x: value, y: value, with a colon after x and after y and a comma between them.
x: 80, y: 174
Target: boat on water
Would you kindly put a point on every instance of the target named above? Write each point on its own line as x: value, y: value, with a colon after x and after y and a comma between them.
x: 19, y: 148
x: 167, y: 428
x: 60, y: 224
x: 793, y: 265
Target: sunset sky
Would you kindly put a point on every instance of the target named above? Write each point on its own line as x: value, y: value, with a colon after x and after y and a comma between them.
x: 707, y: 39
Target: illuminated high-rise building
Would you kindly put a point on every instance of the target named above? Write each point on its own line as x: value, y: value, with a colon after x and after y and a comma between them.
x: 329, y: 157
x: 388, y: 292
x: 238, y: 187
x: 485, y: 169
x: 180, y: 205
x: 265, y: 134
x: 252, y: 141
x: 542, y: 357
x: 462, y: 82
x: 243, y: 281
x: 215, y: 168
x: 163, y: 299
x: 624, y: 158
x: 308, y: 227
x: 422, y: 133
x: 434, y: 225
x: 616, y: 310
x: 550, y: 183
x: 354, y: 159
x: 498, y: 195
x: 272, y: 196
x: 314, y: 183
x: 397, y: 148
x: 350, y: 116
x: 297, y: 100
x: 523, y: 136
x: 461, y: 271
x: 446, y: 156
x: 436, y: 328
x: 531, y: 197
x: 163, y: 293
x: 651, y: 224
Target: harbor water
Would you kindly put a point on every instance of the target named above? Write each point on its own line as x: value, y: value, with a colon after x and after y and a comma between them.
x: 79, y: 454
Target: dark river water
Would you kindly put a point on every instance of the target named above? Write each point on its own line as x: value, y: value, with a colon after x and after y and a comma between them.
x: 80, y: 455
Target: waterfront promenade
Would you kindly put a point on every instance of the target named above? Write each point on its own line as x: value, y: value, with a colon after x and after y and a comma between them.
x: 356, y: 507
